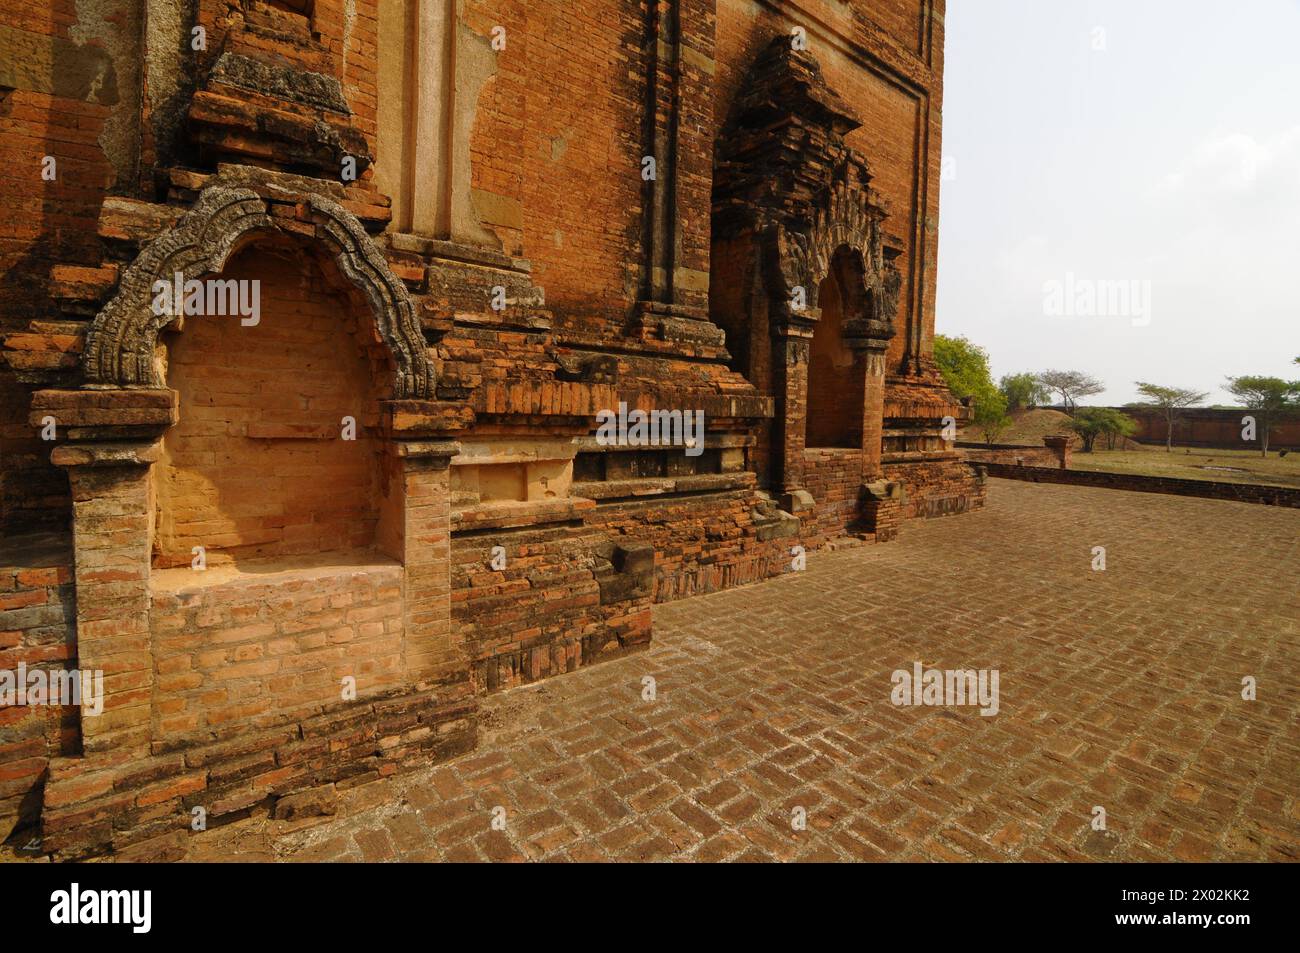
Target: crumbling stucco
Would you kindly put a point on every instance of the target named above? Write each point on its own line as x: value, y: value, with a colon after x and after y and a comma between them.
x: 115, y: 29
x: 168, y: 70
x: 476, y: 64
x: 57, y: 67
x: 425, y: 123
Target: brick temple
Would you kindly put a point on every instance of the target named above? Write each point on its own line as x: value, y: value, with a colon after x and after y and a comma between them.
x: 300, y: 542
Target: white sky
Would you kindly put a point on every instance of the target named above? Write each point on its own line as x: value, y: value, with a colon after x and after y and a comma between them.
x: 1170, y: 156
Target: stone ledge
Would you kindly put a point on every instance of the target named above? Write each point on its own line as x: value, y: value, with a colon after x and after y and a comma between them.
x: 425, y: 418
x: 107, y: 414
x: 513, y: 514
x: 660, y: 486
x: 106, y: 454
x: 270, y: 572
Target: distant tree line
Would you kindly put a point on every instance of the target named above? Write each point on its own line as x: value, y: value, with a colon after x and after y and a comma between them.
x: 965, y: 368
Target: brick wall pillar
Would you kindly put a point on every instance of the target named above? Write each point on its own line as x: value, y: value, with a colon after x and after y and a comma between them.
x: 112, y: 541
x: 882, y: 508
x: 790, y: 380
x: 114, y: 437
x: 421, y: 537
x: 873, y: 413
x: 1059, y: 444
x: 679, y: 51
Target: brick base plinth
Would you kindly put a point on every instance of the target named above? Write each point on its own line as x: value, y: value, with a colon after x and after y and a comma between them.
x: 937, y: 488
x: 142, y: 806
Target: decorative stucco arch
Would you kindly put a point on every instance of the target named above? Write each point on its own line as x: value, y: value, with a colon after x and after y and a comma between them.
x: 845, y: 218
x: 121, y: 342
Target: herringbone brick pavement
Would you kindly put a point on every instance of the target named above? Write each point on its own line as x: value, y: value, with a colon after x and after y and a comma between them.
x: 1119, y: 689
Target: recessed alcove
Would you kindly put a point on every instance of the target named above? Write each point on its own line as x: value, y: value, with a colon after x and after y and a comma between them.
x: 274, y: 453
x: 836, y: 378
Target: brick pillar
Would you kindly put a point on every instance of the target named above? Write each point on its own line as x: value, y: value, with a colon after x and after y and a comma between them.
x: 873, y: 413
x: 422, y: 540
x: 112, y: 539
x: 1059, y: 445
x: 790, y: 370
x: 679, y: 50
x: 882, y: 508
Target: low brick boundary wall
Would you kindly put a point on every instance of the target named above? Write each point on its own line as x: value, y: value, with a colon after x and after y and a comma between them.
x: 1008, y: 455
x: 1055, y: 452
x: 1241, y: 492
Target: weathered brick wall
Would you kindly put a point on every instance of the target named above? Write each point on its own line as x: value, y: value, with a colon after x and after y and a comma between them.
x: 558, y: 142
x: 937, y: 490
x: 33, y: 493
x: 701, y: 543
x: 37, y: 626
x: 904, y: 166
x: 835, y: 379
x: 546, y: 612
x: 141, y: 809
x: 1020, y: 456
x: 834, y: 477
x: 80, y: 112
x: 232, y: 649
x: 257, y: 465
x: 1207, y: 427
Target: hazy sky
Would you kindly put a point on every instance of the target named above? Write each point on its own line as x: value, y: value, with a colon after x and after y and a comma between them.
x: 1170, y: 155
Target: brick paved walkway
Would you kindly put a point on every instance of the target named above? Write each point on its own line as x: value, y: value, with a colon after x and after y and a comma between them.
x: 1119, y: 689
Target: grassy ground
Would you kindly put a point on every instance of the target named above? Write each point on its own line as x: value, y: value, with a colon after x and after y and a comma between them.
x: 1247, y: 466
x: 1029, y: 427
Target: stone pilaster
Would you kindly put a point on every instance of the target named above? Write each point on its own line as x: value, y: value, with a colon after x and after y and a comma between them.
x: 113, y: 440
x: 430, y: 653
x: 790, y: 373
x: 111, y: 535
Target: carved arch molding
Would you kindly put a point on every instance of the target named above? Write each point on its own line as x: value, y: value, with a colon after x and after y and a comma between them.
x: 121, y: 342
x: 785, y: 174
x: 802, y: 259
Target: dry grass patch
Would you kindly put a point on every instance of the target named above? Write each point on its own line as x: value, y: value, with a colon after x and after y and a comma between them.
x: 1223, y: 466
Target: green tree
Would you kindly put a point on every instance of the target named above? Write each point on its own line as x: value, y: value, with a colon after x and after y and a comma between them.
x: 1093, y: 422
x: 1169, y: 401
x: 964, y: 366
x: 1071, y: 385
x: 1023, y: 391
x: 1271, y: 398
x: 1122, y: 426
x: 990, y: 414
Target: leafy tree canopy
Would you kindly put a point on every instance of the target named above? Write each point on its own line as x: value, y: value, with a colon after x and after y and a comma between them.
x: 1092, y: 422
x: 964, y: 365
x: 1023, y: 391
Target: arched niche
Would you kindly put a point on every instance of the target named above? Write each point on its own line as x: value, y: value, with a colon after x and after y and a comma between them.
x: 835, y: 373
x: 121, y: 344
x: 276, y: 453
